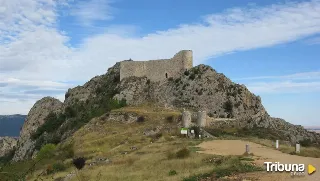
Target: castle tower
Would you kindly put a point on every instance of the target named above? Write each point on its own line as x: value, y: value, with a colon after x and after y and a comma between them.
x: 201, y: 119
x: 186, y: 119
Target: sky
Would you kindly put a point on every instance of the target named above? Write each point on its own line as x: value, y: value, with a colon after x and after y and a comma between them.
x: 272, y: 47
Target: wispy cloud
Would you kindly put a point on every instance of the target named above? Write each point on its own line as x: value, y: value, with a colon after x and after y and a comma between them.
x: 313, y: 41
x: 293, y: 83
x: 32, y: 48
x: 283, y: 87
x: 89, y: 11
x: 297, y: 76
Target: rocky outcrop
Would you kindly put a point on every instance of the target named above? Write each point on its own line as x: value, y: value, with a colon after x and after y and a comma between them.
x: 276, y: 127
x: 36, y: 118
x: 200, y: 88
x: 90, y: 89
x: 6, y: 145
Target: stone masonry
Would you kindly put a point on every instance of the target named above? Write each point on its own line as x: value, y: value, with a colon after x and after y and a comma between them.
x: 158, y: 70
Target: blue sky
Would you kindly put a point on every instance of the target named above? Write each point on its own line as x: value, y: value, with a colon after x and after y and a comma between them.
x: 273, y: 47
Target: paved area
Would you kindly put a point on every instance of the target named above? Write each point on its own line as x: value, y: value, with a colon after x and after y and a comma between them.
x: 263, y: 154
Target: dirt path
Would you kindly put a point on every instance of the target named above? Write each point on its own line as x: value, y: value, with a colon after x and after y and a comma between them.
x: 263, y: 154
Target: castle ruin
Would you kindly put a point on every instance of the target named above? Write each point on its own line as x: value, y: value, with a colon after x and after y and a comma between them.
x: 158, y: 70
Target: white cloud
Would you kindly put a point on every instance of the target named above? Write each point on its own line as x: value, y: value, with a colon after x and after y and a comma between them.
x: 32, y: 48
x: 283, y: 87
x: 293, y: 83
x: 13, y: 82
x: 89, y: 11
x: 298, y: 76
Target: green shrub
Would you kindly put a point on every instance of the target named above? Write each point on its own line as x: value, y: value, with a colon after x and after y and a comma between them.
x: 178, y: 80
x: 172, y: 172
x: 49, y: 169
x: 58, y: 167
x: 170, y: 78
x: 170, y: 119
x: 192, y: 77
x: 306, y: 142
x: 183, y: 153
x: 66, y: 151
x: 70, y: 112
x: 52, y: 122
x: 228, y: 106
x: 47, y: 151
x: 7, y: 157
x: 186, y: 73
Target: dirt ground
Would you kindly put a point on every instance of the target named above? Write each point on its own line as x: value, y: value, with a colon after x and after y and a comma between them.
x: 262, y: 154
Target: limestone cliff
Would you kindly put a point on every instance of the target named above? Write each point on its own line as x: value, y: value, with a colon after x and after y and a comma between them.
x: 6, y: 145
x: 36, y: 117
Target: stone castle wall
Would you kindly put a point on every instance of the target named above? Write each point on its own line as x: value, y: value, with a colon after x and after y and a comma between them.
x: 158, y: 70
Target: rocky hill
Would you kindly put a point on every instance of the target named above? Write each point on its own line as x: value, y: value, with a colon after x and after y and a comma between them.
x: 10, y: 125
x: 6, y: 145
x: 35, y: 119
x: 200, y: 88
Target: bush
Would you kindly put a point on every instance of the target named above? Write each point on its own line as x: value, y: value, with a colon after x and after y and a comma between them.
x: 52, y: 122
x: 79, y: 163
x: 186, y: 73
x: 172, y: 172
x: 306, y: 142
x: 170, y: 79
x: 47, y: 151
x: 228, y: 106
x: 58, y: 167
x: 49, y: 169
x: 183, y: 153
x: 66, y: 151
x: 8, y: 157
x: 148, y: 81
x: 140, y: 119
x: 192, y: 77
x: 170, y: 119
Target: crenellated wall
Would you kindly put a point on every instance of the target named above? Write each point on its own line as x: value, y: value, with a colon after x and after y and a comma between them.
x: 158, y: 70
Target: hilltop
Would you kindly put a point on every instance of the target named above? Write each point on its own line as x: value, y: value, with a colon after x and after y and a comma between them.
x: 109, y: 115
x: 199, y: 88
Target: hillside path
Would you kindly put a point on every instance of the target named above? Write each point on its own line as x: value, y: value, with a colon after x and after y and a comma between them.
x: 262, y: 154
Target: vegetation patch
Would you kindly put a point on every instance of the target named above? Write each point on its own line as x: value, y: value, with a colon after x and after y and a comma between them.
x: 183, y: 153
x: 172, y: 172
x: 226, y: 166
x: 46, y: 152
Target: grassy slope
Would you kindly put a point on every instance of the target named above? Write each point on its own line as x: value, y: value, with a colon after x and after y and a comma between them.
x: 151, y: 161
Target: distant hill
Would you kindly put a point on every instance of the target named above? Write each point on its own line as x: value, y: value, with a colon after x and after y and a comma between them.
x: 10, y: 124
x: 313, y: 128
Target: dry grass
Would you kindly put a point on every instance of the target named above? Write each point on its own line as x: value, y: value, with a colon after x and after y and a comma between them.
x: 148, y: 162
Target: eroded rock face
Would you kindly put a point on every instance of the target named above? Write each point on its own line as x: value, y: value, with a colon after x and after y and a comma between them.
x: 201, y: 89
x: 34, y: 120
x: 89, y: 89
x: 6, y: 145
